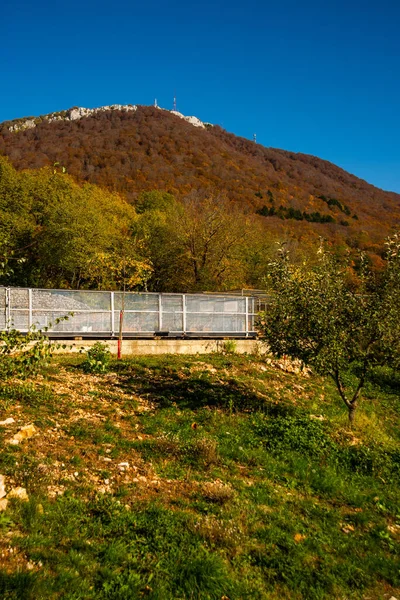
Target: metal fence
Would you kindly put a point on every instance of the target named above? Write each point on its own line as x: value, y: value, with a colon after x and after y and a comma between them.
x: 97, y: 314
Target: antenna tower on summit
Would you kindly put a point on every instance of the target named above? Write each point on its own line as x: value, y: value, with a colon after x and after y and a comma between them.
x: 155, y: 103
x: 255, y: 138
x: 174, y: 103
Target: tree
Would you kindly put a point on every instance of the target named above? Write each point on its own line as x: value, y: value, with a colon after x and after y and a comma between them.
x: 317, y: 315
x: 199, y: 244
x: 154, y: 200
x: 16, y: 225
x: 212, y: 230
x: 56, y: 233
x: 155, y: 232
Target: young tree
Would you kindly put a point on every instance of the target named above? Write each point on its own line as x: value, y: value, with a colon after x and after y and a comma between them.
x: 316, y: 315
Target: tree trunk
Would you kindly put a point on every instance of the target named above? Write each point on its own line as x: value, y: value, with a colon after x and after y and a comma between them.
x: 352, y: 413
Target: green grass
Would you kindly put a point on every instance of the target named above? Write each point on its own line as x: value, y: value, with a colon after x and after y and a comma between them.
x: 201, y: 477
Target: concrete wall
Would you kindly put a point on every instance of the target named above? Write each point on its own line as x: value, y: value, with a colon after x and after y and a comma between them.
x: 168, y: 346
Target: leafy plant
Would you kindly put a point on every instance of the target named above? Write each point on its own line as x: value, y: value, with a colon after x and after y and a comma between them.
x: 229, y: 347
x: 315, y: 315
x: 24, y: 354
x: 97, y: 358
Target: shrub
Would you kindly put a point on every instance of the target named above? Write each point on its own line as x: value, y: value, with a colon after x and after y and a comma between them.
x: 97, y: 358
x: 23, y: 354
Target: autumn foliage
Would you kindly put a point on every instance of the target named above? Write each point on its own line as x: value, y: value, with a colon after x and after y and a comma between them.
x: 148, y: 189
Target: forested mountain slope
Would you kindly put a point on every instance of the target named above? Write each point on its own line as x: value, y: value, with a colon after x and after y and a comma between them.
x: 134, y: 149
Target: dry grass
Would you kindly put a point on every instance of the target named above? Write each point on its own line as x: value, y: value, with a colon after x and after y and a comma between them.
x: 217, y: 491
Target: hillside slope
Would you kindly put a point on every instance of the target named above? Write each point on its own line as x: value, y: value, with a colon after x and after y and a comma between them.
x: 145, y: 148
x: 198, y: 478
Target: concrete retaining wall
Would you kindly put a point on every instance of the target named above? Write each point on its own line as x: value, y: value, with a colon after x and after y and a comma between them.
x: 172, y: 346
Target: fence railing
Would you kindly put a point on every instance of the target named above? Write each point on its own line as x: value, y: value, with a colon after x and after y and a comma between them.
x: 97, y: 313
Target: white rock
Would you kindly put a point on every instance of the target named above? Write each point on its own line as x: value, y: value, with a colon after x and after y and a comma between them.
x: 18, y: 492
x: 195, y: 121
x: 7, y: 421
x: 192, y: 120
x: 73, y: 114
x: 80, y: 112
x: 23, y: 434
x: 28, y: 124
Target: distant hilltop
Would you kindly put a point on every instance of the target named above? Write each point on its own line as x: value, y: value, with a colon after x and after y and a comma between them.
x: 132, y: 149
x: 78, y: 112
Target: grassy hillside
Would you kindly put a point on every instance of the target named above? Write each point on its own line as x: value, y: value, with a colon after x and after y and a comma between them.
x: 201, y: 477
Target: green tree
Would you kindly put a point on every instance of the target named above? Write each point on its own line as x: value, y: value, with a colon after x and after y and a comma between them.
x: 155, y: 232
x: 16, y: 224
x: 56, y: 233
x: 154, y: 200
x: 318, y: 316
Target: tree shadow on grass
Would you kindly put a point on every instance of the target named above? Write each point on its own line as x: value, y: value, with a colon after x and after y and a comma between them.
x: 197, y: 392
x: 387, y: 379
x: 17, y: 585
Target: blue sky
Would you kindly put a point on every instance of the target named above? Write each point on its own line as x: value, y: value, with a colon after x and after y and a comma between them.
x: 319, y: 77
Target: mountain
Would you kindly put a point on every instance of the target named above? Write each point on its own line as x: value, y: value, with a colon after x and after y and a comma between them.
x: 131, y: 149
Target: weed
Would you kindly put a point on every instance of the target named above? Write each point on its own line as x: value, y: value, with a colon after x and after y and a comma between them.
x: 206, y: 449
x: 97, y: 359
x: 5, y: 522
x: 217, y: 491
x: 229, y: 347
x: 28, y: 394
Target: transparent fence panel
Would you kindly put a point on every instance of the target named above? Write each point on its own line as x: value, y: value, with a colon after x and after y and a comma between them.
x: 172, y: 313
x: 137, y: 322
x: 172, y: 303
x: 146, y: 302
x: 19, y: 319
x: 172, y: 322
x: 216, y: 323
x: 224, y: 304
x: 70, y: 300
x: 85, y: 322
x: 19, y: 298
x: 144, y: 313
x: 250, y: 322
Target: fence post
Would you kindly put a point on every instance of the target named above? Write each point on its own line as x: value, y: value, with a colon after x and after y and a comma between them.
x: 160, y: 325
x: 247, y: 316
x: 112, y: 314
x: 7, y: 309
x: 184, y: 313
x: 29, y: 308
